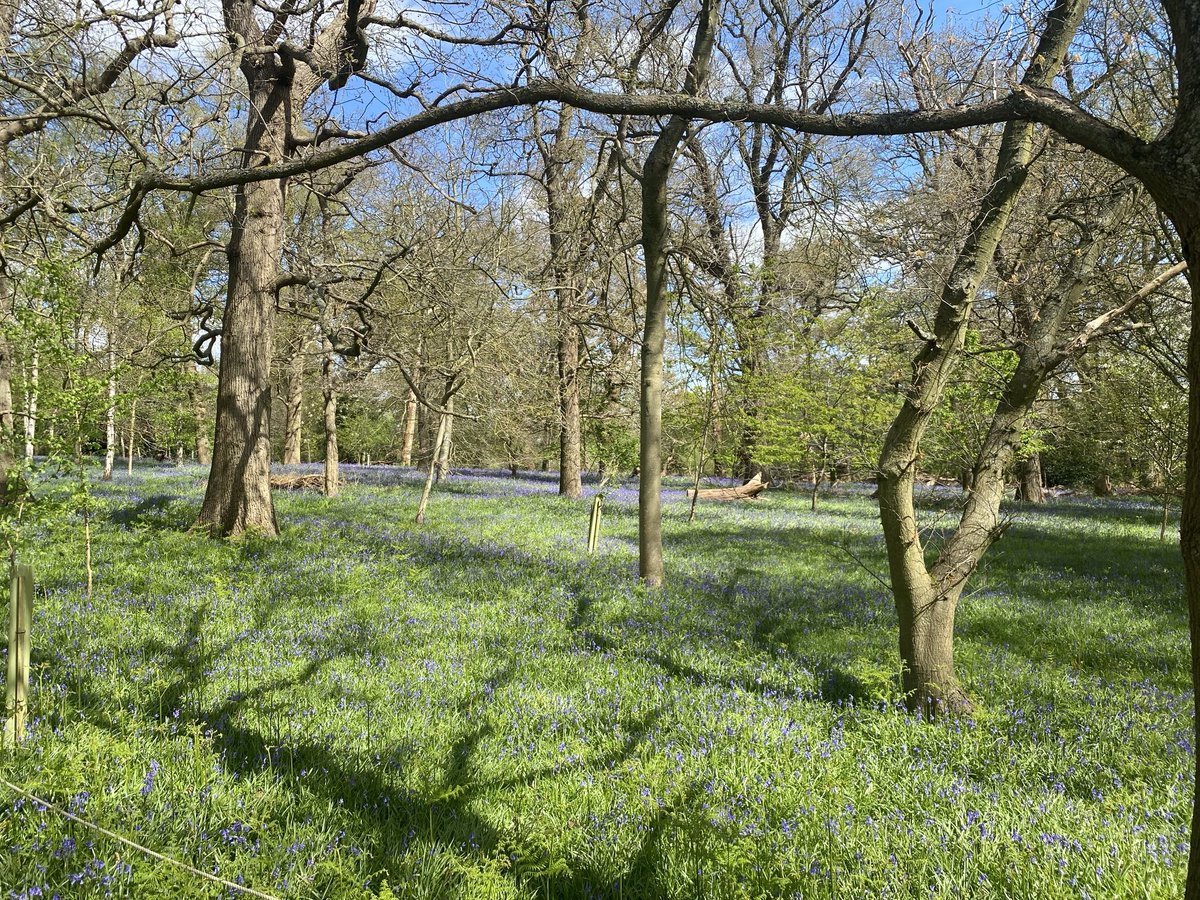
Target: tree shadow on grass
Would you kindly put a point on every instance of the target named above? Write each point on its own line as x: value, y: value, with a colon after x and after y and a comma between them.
x: 393, y: 817
x: 370, y: 781
x: 164, y: 512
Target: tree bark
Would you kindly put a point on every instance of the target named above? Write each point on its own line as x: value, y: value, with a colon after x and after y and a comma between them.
x: 654, y: 250
x: 926, y: 604
x: 570, y: 436
x: 238, y: 497
x: 329, y: 392
x: 412, y: 412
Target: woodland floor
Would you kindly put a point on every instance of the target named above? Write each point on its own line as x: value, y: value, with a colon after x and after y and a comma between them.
x: 478, y: 709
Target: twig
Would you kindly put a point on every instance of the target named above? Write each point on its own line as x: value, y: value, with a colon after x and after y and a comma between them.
x: 886, y: 586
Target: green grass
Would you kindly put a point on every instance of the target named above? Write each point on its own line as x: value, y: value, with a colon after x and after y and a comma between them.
x: 477, y: 709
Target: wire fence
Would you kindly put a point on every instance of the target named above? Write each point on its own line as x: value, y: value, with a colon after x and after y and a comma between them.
x: 191, y: 870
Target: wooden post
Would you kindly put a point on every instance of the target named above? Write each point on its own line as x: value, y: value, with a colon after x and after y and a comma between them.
x: 20, y: 615
x: 594, y: 524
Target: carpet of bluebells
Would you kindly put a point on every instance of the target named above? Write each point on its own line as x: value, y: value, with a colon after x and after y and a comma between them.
x: 476, y: 708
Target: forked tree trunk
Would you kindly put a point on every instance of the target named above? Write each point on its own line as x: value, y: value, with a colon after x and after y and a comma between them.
x: 278, y: 84
x: 925, y: 602
x: 329, y: 392
x: 238, y: 497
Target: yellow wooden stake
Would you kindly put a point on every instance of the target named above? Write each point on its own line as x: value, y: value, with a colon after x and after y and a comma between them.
x: 594, y: 525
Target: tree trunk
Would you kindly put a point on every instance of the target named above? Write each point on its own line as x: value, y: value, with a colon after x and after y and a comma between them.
x: 238, y: 497
x: 203, y: 444
x: 654, y: 250
x: 293, y: 409
x: 110, y: 417
x: 562, y: 272
x: 6, y: 410
x: 410, y: 428
x: 570, y: 438
x: 1188, y: 227
x: 31, y: 403
x: 132, y: 433
x: 445, y: 444
x: 329, y: 391
x: 428, y: 488
x: 654, y: 238
x: 1029, y: 489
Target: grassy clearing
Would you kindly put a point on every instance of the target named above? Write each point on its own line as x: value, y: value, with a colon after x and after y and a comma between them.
x: 477, y: 709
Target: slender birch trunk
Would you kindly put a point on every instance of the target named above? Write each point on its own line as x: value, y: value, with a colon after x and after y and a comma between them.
x: 31, y: 403
x: 110, y: 417
x: 132, y: 432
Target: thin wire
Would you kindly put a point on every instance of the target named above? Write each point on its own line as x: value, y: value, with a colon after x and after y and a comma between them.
x: 116, y: 837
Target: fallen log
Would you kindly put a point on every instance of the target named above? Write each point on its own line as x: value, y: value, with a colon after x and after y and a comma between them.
x: 748, y: 491
x: 309, y: 482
